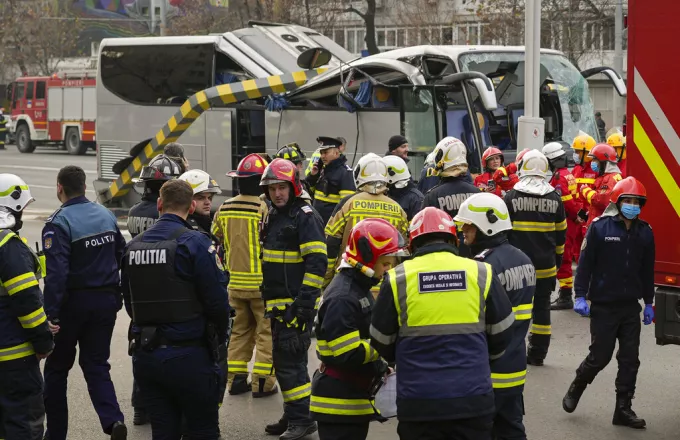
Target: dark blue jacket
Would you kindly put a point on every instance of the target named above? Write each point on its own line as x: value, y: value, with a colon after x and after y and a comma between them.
x: 409, y: 198
x: 332, y: 184
x: 83, y: 247
x: 450, y: 194
x: 616, y: 265
x: 143, y: 215
x: 428, y: 179
x: 195, y: 261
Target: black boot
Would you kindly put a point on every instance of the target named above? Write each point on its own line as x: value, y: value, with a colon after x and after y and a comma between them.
x: 564, y: 301
x: 624, y: 414
x: 140, y: 417
x: 118, y: 431
x: 277, y: 428
x: 576, y: 389
x: 536, y: 362
x: 240, y: 385
x: 297, y: 432
x: 261, y: 392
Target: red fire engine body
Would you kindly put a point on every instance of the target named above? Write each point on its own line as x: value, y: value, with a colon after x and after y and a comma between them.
x: 59, y: 109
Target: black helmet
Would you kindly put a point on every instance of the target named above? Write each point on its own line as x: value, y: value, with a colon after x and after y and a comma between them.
x: 161, y: 167
x: 291, y: 152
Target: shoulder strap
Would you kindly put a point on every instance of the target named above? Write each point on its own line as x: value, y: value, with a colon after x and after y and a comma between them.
x: 178, y: 233
x: 5, y: 235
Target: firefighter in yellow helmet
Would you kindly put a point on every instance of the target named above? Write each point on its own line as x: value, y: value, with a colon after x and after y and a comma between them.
x: 617, y: 140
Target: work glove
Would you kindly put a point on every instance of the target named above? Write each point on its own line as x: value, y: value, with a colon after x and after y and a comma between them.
x: 304, y: 308
x: 581, y: 307
x: 648, y: 314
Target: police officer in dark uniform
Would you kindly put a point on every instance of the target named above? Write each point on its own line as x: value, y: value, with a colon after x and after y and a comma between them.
x: 294, y: 262
x: 175, y: 291
x: 25, y: 337
x: 83, y: 247
x: 486, y: 220
x: 331, y: 178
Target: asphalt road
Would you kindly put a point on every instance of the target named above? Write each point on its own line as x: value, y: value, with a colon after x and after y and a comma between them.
x: 243, y: 418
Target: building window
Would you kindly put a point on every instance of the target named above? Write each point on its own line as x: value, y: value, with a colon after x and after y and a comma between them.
x: 424, y: 36
x: 474, y: 34
x: 608, y: 35
x: 381, y: 37
x: 487, y: 36
x: 391, y: 37
x: 350, y: 41
x: 447, y: 35
x: 463, y: 34
x: 340, y: 37
x: 361, y: 40
x: 401, y: 37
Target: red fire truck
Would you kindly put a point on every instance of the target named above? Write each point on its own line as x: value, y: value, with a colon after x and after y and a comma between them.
x: 54, y: 110
x: 653, y: 124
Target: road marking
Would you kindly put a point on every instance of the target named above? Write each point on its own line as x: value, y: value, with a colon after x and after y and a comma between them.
x: 34, y: 168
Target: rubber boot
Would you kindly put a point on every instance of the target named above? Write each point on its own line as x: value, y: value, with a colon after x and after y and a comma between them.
x: 140, y: 417
x: 277, y: 428
x: 564, y: 301
x: 624, y: 414
x: 297, y: 432
x: 239, y: 385
x: 570, y: 400
x: 261, y: 392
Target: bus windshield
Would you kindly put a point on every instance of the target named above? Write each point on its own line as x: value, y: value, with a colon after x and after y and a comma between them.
x: 565, y: 103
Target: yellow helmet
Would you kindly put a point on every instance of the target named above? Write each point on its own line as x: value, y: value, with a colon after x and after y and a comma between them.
x: 582, y: 144
x: 618, y: 141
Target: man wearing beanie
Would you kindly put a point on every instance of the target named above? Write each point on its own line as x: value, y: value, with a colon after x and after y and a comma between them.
x: 398, y: 146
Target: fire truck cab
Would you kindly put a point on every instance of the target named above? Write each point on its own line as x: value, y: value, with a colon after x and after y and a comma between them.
x: 54, y: 110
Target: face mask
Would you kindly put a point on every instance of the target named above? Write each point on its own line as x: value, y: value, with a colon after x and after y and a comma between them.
x: 630, y: 211
x: 577, y: 158
x: 595, y: 166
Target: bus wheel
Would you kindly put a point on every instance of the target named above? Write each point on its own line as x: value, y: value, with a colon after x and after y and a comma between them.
x: 24, y: 143
x: 73, y: 143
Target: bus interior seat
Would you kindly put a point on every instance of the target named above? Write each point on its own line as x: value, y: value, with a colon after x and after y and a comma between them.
x: 484, y: 129
x: 514, y: 112
x: 454, y: 122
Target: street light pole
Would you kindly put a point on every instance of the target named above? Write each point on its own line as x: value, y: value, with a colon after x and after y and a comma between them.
x: 531, y: 128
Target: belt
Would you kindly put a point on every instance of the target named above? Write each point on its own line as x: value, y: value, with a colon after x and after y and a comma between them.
x: 360, y: 381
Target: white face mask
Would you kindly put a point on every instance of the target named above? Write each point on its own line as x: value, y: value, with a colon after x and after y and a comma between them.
x: 577, y: 158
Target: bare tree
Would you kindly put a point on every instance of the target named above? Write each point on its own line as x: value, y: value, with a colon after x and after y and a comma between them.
x: 196, y: 18
x: 422, y: 15
x: 368, y: 16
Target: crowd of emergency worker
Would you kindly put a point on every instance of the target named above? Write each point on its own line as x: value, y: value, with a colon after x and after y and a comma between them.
x: 433, y: 286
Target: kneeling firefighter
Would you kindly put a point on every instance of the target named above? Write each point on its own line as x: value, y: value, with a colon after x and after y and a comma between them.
x: 342, y: 398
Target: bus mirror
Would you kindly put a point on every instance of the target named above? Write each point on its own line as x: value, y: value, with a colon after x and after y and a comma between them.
x: 610, y: 73
x: 314, y: 58
x: 487, y: 96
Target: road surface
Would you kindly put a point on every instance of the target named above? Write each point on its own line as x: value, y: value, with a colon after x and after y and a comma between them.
x: 243, y: 418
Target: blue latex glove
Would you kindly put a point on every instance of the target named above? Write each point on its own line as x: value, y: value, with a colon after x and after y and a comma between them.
x: 581, y: 307
x: 648, y: 314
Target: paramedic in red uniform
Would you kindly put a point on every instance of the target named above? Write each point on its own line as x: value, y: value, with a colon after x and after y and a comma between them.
x: 493, y: 160
x: 604, y: 162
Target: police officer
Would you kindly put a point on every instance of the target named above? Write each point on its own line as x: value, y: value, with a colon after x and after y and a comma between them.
x: 316, y: 156
x: 293, y: 153
x: 294, y: 262
x: 205, y: 188
x: 616, y: 271
x: 539, y: 230
x: 237, y: 226
x: 369, y: 202
x: 25, y: 337
x: 486, y: 223
x: 341, y: 391
x: 331, y: 179
x: 83, y: 248
x: 401, y: 187
x: 443, y: 359
x: 3, y: 129
x: 175, y: 292
x: 604, y: 163
x: 565, y: 185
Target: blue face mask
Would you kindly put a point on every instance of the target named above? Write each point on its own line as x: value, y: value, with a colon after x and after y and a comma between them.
x: 595, y: 166
x: 630, y: 211
x: 577, y: 158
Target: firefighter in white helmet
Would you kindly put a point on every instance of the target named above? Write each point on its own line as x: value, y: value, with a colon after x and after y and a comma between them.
x: 205, y: 188
x: 401, y: 187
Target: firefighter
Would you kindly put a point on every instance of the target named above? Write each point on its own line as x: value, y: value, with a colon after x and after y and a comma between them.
x: 331, y: 179
x: 25, y: 336
x: 429, y: 176
x: 539, y: 229
x: 83, y: 249
x: 293, y: 153
x: 3, y: 129
x: 401, y: 187
x: 341, y: 400
x: 175, y: 151
x: 237, y: 225
x: 294, y: 262
x: 486, y: 223
x: 205, y: 188
x: 175, y: 292
x: 584, y: 176
x: 565, y: 185
x: 604, y: 162
x: 458, y: 318
x: 616, y: 271
x: 493, y: 160
x: 617, y: 141
x: 370, y: 201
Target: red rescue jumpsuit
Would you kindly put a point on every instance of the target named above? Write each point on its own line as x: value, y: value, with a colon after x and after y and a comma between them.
x: 598, y: 196
x: 565, y: 185
x: 622, y: 167
x: 584, y: 177
x: 499, y: 182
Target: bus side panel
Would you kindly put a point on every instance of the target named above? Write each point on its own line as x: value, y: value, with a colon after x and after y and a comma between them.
x: 219, y: 147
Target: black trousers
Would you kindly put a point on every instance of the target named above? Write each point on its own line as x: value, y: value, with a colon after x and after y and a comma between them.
x: 343, y: 431
x: 509, y: 421
x: 540, y: 330
x: 607, y: 324
x: 478, y: 428
x: 22, y: 411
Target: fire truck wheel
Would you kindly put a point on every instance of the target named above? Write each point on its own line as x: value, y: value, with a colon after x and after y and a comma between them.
x: 24, y: 143
x: 73, y: 143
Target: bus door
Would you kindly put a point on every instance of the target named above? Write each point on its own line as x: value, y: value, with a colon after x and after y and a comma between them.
x: 420, y: 123
x: 249, y: 132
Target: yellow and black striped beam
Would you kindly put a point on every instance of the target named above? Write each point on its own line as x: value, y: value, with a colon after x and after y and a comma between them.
x: 194, y: 107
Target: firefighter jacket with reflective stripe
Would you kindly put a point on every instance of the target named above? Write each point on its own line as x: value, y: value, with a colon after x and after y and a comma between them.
x: 23, y: 323
x: 237, y: 227
x: 517, y: 275
x: 294, y: 258
x: 450, y: 194
x: 598, y: 197
x: 443, y: 318
x: 409, y: 198
x: 143, y: 215
x: 343, y: 344
x: 349, y: 212
x: 486, y: 183
x: 584, y: 177
x: 539, y: 229
x: 616, y: 265
x: 428, y: 179
x: 334, y: 182
x: 565, y: 185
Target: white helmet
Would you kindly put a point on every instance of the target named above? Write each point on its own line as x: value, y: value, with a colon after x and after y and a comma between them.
x: 450, y: 152
x: 430, y: 159
x: 533, y: 163
x: 397, y: 171
x: 14, y: 193
x: 370, y: 168
x: 487, y: 211
x: 553, y: 150
x: 201, y: 181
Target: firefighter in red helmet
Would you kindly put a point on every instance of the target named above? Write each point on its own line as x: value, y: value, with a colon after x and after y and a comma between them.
x: 495, y: 178
x: 604, y: 162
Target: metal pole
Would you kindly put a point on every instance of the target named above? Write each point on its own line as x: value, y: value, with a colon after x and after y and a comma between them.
x: 531, y: 130
x: 152, y: 16
x: 529, y: 59
x: 618, y: 106
x: 164, y: 13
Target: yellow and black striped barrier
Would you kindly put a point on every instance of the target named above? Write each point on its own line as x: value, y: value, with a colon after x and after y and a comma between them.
x: 194, y: 107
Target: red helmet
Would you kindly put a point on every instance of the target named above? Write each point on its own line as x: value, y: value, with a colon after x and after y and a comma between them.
x: 492, y: 151
x: 629, y: 187
x: 371, y: 239
x: 282, y: 170
x: 603, y: 153
x: 521, y: 154
x: 251, y: 165
x: 432, y: 221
